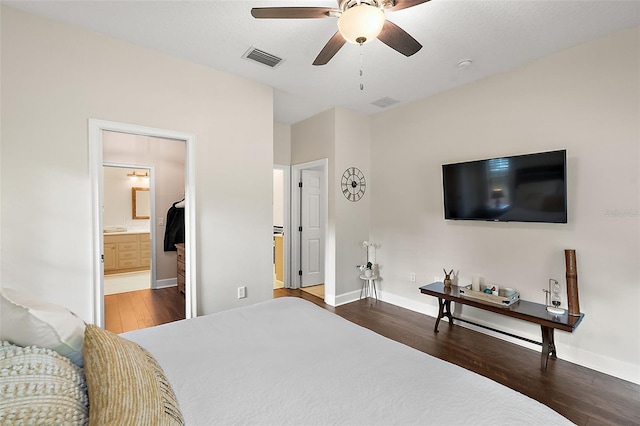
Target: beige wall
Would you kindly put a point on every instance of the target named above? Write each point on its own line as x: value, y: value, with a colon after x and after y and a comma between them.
x: 54, y: 78
x: 587, y: 100
x: 314, y: 139
x: 342, y: 137
x: 167, y: 156
x: 281, y: 144
x: 352, y: 149
x: 118, y: 205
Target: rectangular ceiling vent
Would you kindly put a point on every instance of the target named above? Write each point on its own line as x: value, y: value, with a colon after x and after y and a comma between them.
x: 262, y: 57
x: 384, y: 102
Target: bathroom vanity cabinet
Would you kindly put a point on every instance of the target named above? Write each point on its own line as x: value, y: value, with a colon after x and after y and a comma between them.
x: 126, y: 252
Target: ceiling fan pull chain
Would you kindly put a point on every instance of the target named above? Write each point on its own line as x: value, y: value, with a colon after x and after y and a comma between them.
x: 361, y: 70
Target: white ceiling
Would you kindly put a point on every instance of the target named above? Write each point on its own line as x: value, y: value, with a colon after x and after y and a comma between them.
x: 495, y: 35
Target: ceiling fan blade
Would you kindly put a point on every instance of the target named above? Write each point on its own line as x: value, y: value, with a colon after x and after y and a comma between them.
x: 403, y: 4
x: 290, y: 12
x: 330, y: 49
x: 398, y: 39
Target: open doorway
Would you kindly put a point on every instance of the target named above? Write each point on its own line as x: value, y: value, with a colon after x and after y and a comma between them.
x: 281, y: 226
x: 309, y: 215
x: 99, y: 132
x: 127, y: 206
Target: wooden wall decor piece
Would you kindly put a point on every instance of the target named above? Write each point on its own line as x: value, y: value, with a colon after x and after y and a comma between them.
x: 447, y: 277
x: 572, y: 283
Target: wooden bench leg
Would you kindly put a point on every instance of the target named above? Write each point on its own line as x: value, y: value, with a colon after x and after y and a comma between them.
x: 548, y: 347
x: 444, y: 309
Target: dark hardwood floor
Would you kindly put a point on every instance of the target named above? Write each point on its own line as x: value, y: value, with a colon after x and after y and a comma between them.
x: 584, y: 396
x: 143, y: 308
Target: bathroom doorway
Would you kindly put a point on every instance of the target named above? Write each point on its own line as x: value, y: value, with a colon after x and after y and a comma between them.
x: 101, y: 136
x: 129, y: 201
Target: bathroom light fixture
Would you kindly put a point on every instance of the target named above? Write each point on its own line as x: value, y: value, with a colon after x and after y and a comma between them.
x: 361, y: 23
x: 135, y: 174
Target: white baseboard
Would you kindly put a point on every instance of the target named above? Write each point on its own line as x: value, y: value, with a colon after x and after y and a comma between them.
x: 345, y: 298
x: 411, y: 304
x: 329, y: 299
x: 169, y: 282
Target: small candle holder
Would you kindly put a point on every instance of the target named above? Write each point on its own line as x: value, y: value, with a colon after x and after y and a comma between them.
x: 552, y: 298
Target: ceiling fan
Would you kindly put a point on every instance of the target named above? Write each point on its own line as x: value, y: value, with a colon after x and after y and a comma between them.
x: 359, y: 21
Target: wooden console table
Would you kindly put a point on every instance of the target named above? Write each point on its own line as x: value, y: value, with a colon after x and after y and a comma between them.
x: 528, y: 311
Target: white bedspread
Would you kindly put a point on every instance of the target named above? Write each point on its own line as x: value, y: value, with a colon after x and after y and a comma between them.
x: 287, y: 361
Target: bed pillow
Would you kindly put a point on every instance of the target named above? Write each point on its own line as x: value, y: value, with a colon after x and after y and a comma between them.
x: 26, y: 321
x: 40, y: 386
x: 126, y: 384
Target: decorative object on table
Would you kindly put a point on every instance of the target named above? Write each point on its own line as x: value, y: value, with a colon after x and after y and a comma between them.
x: 572, y: 283
x: 475, y: 283
x: 369, y: 273
x: 503, y: 297
x: 367, y: 269
x: 368, y: 278
x: 447, y: 277
x: 370, y: 255
x: 552, y: 297
x: 370, y: 247
x: 492, y: 289
x: 353, y: 184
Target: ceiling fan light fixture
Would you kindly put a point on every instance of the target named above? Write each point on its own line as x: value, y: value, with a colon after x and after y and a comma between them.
x: 361, y: 23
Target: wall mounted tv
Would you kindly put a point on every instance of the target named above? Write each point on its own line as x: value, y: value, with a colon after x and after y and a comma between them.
x: 521, y: 188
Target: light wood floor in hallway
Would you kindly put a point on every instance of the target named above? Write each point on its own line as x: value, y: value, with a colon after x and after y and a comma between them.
x: 316, y: 290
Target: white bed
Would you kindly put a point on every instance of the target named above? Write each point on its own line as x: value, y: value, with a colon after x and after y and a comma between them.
x: 287, y: 361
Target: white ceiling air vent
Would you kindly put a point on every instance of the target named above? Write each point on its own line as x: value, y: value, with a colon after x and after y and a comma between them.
x: 262, y: 57
x: 384, y: 102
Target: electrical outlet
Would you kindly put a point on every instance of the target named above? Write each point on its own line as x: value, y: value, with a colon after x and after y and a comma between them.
x: 412, y: 277
x: 242, y: 292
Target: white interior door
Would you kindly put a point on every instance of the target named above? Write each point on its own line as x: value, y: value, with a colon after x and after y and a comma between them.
x: 312, y: 235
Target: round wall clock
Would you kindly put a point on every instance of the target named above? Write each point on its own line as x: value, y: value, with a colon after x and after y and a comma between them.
x: 353, y: 184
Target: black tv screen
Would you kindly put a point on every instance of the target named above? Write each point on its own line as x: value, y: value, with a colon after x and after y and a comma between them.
x: 521, y: 188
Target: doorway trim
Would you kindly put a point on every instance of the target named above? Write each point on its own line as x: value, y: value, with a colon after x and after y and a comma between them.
x: 329, y: 243
x: 96, y: 128
x: 152, y: 209
x: 286, y: 209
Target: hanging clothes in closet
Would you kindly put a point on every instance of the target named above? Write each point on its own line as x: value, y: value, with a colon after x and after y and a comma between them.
x: 174, y: 231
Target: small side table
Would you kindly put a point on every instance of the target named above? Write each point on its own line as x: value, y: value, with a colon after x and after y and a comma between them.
x: 368, y: 286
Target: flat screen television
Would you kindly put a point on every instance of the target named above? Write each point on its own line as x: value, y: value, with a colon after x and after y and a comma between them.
x: 521, y: 188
